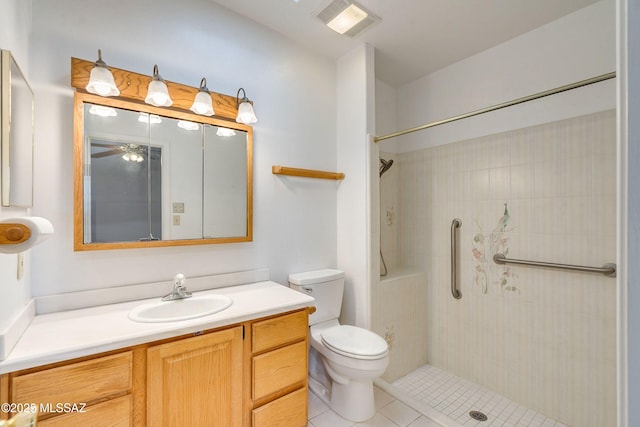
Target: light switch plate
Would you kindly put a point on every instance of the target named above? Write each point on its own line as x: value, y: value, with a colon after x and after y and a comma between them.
x: 178, y: 207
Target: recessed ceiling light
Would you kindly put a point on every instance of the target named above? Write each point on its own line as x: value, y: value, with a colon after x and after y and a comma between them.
x: 347, y: 17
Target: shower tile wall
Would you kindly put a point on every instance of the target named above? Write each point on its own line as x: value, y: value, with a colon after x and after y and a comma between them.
x: 546, y: 339
x: 400, y: 318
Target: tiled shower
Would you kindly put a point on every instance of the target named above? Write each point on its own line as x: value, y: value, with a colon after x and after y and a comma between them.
x: 546, y: 339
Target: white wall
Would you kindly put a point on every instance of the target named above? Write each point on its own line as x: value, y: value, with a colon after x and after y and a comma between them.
x: 356, y: 118
x: 576, y: 47
x: 15, y: 28
x: 294, y: 219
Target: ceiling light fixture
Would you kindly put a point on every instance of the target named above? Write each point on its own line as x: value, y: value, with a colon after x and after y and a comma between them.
x: 246, y: 114
x: 157, y: 93
x: 202, y: 103
x: 101, y: 80
x: 347, y: 17
x: 133, y: 153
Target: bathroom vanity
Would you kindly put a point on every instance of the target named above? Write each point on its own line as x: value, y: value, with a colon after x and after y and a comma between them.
x: 245, y: 366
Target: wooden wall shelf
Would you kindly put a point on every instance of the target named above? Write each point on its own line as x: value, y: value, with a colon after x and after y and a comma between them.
x: 306, y: 173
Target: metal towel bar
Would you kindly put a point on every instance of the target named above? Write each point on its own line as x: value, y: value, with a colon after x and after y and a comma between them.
x: 456, y: 223
x: 607, y: 269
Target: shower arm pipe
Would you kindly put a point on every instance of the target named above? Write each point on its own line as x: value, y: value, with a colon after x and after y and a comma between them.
x: 607, y: 269
x: 455, y: 224
x: 522, y: 100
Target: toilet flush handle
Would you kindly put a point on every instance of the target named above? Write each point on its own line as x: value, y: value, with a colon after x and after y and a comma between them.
x: 307, y: 289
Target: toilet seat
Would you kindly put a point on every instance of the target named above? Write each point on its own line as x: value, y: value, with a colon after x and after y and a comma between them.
x: 354, y: 342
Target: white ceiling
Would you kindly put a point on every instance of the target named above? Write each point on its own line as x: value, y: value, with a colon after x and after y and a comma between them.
x: 415, y: 37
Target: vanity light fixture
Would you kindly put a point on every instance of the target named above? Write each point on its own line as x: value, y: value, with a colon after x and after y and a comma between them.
x: 225, y: 132
x: 152, y: 119
x: 246, y: 114
x: 101, y: 80
x: 187, y: 125
x: 202, y: 103
x: 102, y: 111
x: 157, y: 93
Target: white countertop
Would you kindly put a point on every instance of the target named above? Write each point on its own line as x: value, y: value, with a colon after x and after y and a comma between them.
x: 65, y: 335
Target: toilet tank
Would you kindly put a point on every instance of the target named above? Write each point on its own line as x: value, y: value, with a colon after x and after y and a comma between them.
x: 326, y: 287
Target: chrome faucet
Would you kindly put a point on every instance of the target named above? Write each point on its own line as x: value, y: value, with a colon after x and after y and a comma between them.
x: 179, y: 289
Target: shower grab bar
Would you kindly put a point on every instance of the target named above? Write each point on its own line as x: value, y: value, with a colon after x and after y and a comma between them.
x: 608, y: 269
x: 455, y: 224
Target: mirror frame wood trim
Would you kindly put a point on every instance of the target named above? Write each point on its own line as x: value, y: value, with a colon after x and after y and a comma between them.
x: 80, y: 98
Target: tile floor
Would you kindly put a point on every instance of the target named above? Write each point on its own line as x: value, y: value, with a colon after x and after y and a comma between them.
x: 440, y: 394
x: 455, y: 397
x: 391, y: 413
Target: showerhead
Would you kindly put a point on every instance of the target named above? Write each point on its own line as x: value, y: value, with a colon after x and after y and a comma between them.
x: 385, y: 165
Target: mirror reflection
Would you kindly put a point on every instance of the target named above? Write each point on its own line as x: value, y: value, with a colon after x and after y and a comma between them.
x: 153, y: 180
x: 16, y: 136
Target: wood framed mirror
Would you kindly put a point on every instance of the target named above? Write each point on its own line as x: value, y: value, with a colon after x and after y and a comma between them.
x: 146, y: 176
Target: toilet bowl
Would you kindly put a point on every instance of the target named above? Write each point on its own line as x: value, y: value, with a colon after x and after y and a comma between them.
x: 352, y: 357
x: 351, y: 374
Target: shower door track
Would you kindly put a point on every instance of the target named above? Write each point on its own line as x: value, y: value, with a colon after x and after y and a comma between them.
x: 533, y: 97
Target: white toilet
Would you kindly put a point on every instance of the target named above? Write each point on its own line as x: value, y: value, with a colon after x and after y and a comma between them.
x: 343, y: 360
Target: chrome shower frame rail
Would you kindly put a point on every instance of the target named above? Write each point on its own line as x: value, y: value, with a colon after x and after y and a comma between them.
x: 607, y: 269
x: 522, y: 100
x: 455, y: 224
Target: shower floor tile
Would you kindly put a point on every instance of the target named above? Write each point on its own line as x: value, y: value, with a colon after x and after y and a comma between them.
x: 456, y: 397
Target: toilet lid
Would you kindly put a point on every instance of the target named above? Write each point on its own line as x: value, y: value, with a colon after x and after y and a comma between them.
x: 353, y: 341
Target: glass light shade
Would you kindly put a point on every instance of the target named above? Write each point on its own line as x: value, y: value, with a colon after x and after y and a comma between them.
x: 102, y: 111
x: 202, y: 104
x: 246, y: 114
x: 187, y: 125
x: 225, y: 132
x: 132, y: 156
x: 101, y: 82
x: 152, y: 119
x: 158, y: 94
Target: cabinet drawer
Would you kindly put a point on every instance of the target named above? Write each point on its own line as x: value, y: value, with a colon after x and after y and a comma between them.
x: 288, y: 411
x: 112, y: 413
x: 80, y: 382
x: 279, y: 369
x: 279, y: 331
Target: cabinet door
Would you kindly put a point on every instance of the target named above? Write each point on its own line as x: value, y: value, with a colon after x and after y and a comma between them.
x: 196, y: 381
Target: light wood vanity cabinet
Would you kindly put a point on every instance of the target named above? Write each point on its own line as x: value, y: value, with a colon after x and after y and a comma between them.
x: 252, y: 374
x: 82, y: 393
x: 279, y: 371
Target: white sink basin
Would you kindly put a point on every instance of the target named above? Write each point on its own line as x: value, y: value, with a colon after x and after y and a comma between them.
x: 182, y: 309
